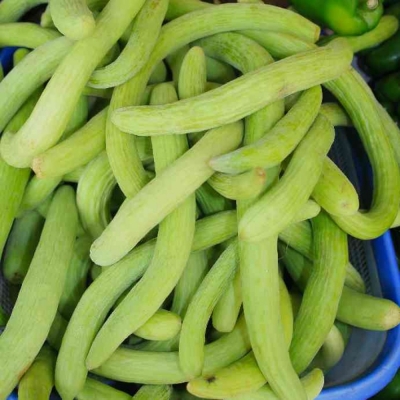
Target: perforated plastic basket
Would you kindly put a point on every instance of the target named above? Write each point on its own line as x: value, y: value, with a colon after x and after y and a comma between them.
x: 371, y: 358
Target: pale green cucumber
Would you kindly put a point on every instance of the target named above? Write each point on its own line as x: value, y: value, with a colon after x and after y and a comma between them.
x: 192, y: 80
x: 19, y: 55
x: 163, y: 325
x: 15, y: 181
x: 335, y: 113
x: 96, y: 390
x: 21, y: 246
x: 11, y: 10
x: 93, y: 195
x: 78, y: 117
x: 74, y: 175
x: 241, y: 97
x: 193, y: 74
x: 25, y: 34
x: 156, y: 368
x: 192, y: 338
x: 175, y: 60
x: 356, y: 309
x: 159, y: 74
x: 153, y: 392
x: 37, y: 383
x: 75, y: 282
x: 226, y: 311
x: 299, y: 237
x: 178, y: 8
x: 358, y: 100
x: 240, y: 187
x: 309, y: 210
x: 189, y: 282
x: 210, y: 201
x: 244, y: 375
x: 57, y: 331
x: 96, y: 6
x: 271, y: 149
x: 334, y: 192
x: 35, y: 69
x: 40, y: 293
x: 144, y: 35
x: 322, y: 294
x: 72, y: 18
x: 76, y: 151
x: 275, y: 210
x: 218, y: 71
x: 36, y: 192
x: 260, y: 290
x: 313, y: 384
x: 109, y: 248
x: 392, y: 130
x: 331, y: 351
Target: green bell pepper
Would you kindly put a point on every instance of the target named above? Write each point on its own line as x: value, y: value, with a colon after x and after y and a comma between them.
x: 383, y: 59
x: 393, y: 10
x: 391, y: 391
x: 389, y: 87
x: 344, y: 17
x: 390, y: 2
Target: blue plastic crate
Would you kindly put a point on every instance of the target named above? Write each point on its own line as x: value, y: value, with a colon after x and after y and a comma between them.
x: 371, y: 358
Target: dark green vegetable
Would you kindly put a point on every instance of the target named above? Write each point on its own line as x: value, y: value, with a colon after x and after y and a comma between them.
x: 391, y: 391
x: 389, y: 86
x: 384, y: 59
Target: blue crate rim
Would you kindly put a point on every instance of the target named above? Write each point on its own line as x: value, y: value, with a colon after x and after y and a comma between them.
x: 388, y: 362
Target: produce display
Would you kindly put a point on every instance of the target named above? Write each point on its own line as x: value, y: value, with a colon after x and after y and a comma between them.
x: 173, y: 225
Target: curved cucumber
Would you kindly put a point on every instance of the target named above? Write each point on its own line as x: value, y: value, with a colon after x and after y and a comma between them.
x: 275, y: 210
x: 72, y: 18
x: 322, y: 294
x: 279, y: 142
x: 240, y: 187
x: 243, y: 376
x: 334, y: 192
x: 96, y: 390
x: 313, y: 384
x: 356, y: 309
x: 151, y: 392
x: 80, y: 148
x: 144, y: 35
x: 157, y: 368
x: 159, y: 196
x: 21, y: 246
x: 238, y: 98
x: 37, y: 383
x: 25, y: 34
x: 335, y: 113
x: 191, y: 344
x: 93, y: 195
x: 40, y: 293
x: 75, y: 282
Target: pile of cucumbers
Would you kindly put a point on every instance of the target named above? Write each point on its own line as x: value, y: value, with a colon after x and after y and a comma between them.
x: 170, y: 217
